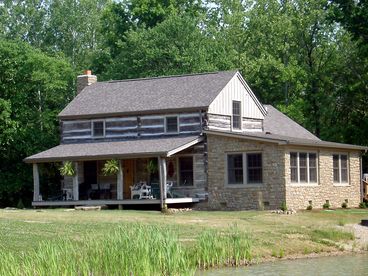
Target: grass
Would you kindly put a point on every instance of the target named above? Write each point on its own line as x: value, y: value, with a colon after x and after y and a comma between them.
x: 57, y: 241
x: 130, y: 250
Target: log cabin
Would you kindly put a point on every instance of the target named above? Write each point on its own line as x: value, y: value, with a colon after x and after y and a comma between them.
x: 201, y: 139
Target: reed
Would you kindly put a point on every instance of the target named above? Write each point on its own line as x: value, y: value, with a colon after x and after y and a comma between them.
x: 134, y: 249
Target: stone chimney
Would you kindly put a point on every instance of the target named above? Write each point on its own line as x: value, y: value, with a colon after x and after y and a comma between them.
x: 85, y: 80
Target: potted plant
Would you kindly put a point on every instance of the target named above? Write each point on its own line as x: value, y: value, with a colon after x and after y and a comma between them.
x: 152, y: 167
x: 67, y: 169
x: 111, y: 167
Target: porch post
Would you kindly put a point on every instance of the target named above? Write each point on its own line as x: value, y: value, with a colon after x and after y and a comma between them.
x: 164, y: 178
x: 119, y: 187
x: 75, y: 183
x: 162, y: 171
x: 36, y: 183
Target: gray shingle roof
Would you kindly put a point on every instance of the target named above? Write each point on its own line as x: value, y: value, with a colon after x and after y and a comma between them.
x: 108, y: 150
x: 146, y: 95
x: 287, y: 140
x: 278, y: 123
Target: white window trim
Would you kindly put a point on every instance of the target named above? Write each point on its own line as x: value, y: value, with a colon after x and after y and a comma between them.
x: 340, y: 183
x: 245, y: 183
x: 232, y: 117
x: 93, y: 131
x: 177, y: 120
x: 307, y: 183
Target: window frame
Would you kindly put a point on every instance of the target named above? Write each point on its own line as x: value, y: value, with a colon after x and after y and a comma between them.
x: 240, y: 116
x: 341, y: 183
x: 308, y: 182
x: 93, y: 129
x: 177, y: 124
x: 246, y: 183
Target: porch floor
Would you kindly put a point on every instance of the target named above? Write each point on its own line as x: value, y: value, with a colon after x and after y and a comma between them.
x: 114, y: 202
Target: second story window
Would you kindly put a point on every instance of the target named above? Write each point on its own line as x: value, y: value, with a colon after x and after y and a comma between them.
x: 236, y: 118
x: 98, y: 128
x: 172, y: 124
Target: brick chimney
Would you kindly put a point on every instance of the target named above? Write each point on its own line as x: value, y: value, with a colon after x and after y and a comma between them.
x: 85, y: 80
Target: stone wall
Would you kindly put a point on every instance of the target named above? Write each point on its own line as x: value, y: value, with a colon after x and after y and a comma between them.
x: 270, y: 193
x: 299, y: 195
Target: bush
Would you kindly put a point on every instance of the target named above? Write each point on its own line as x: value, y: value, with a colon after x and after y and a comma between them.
x: 310, y: 207
x: 283, y: 206
x: 362, y: 205
x: 326, y: 205
x: 344, y: 205
x: 20, y: 204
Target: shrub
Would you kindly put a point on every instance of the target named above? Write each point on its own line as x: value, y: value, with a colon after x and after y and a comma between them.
x: 344, y: 205
x: 310, y: 207
x: 283, y: 206
x: 326, y: 205
x: 362, y: 205
x: 20, y: 204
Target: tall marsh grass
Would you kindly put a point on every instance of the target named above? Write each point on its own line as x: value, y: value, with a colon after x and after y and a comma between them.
x: 131, y: 250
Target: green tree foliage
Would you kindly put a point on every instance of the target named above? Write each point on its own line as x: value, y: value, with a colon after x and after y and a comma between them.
x: 175, y: 46
x: 34, y: 87
x: 71, y: 27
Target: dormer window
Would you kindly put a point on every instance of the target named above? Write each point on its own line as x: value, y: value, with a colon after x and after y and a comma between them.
x: 236, y: 118
x: 98, y: 129
x: 172, y: 124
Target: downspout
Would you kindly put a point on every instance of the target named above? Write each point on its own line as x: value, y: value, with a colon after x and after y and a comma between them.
x: 361, y: 176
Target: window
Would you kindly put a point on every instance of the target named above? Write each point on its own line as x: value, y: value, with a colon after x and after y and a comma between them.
x: 303, y: 167
x: 235, y: 168
x: 244, y: 168
x: 312, y: 167
x: 172, y: 124
x: 294, y: 166
x: 254, y: 168
x: 186, y: 171
x: 340, y: 168
x: 98, y: 128
x: 236, y: 123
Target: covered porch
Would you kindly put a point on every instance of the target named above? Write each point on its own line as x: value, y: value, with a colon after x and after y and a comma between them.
x: 148, y: 173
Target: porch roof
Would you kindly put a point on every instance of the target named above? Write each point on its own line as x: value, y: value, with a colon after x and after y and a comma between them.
x: 122, y: 149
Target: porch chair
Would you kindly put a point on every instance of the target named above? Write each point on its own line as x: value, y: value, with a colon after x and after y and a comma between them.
x: 141, y: 191
x: 169, y: 185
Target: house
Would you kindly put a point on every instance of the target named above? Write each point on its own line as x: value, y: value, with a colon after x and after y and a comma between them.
x: 193, y: 138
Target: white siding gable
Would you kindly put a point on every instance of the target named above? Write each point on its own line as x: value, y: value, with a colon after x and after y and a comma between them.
x: 237, y: 90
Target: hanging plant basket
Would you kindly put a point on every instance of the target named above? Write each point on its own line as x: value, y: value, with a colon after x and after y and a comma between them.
x: 67, y: 169
x: 111, y: 167
x: 152, y: 167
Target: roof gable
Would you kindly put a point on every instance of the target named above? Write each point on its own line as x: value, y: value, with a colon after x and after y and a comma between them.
x: 237, y: 89
x: 147, y: 95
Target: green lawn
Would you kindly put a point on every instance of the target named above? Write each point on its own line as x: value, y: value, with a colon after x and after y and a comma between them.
x: 271, y: 234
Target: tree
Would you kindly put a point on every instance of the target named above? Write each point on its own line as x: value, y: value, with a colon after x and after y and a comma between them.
x: 175, y: 46
x: 34, y: 87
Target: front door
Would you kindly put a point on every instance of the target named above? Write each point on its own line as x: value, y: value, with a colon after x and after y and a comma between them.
x: 128, y: 169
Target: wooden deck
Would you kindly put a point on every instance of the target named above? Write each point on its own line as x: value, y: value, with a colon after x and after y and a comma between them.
x: 113, y: 202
